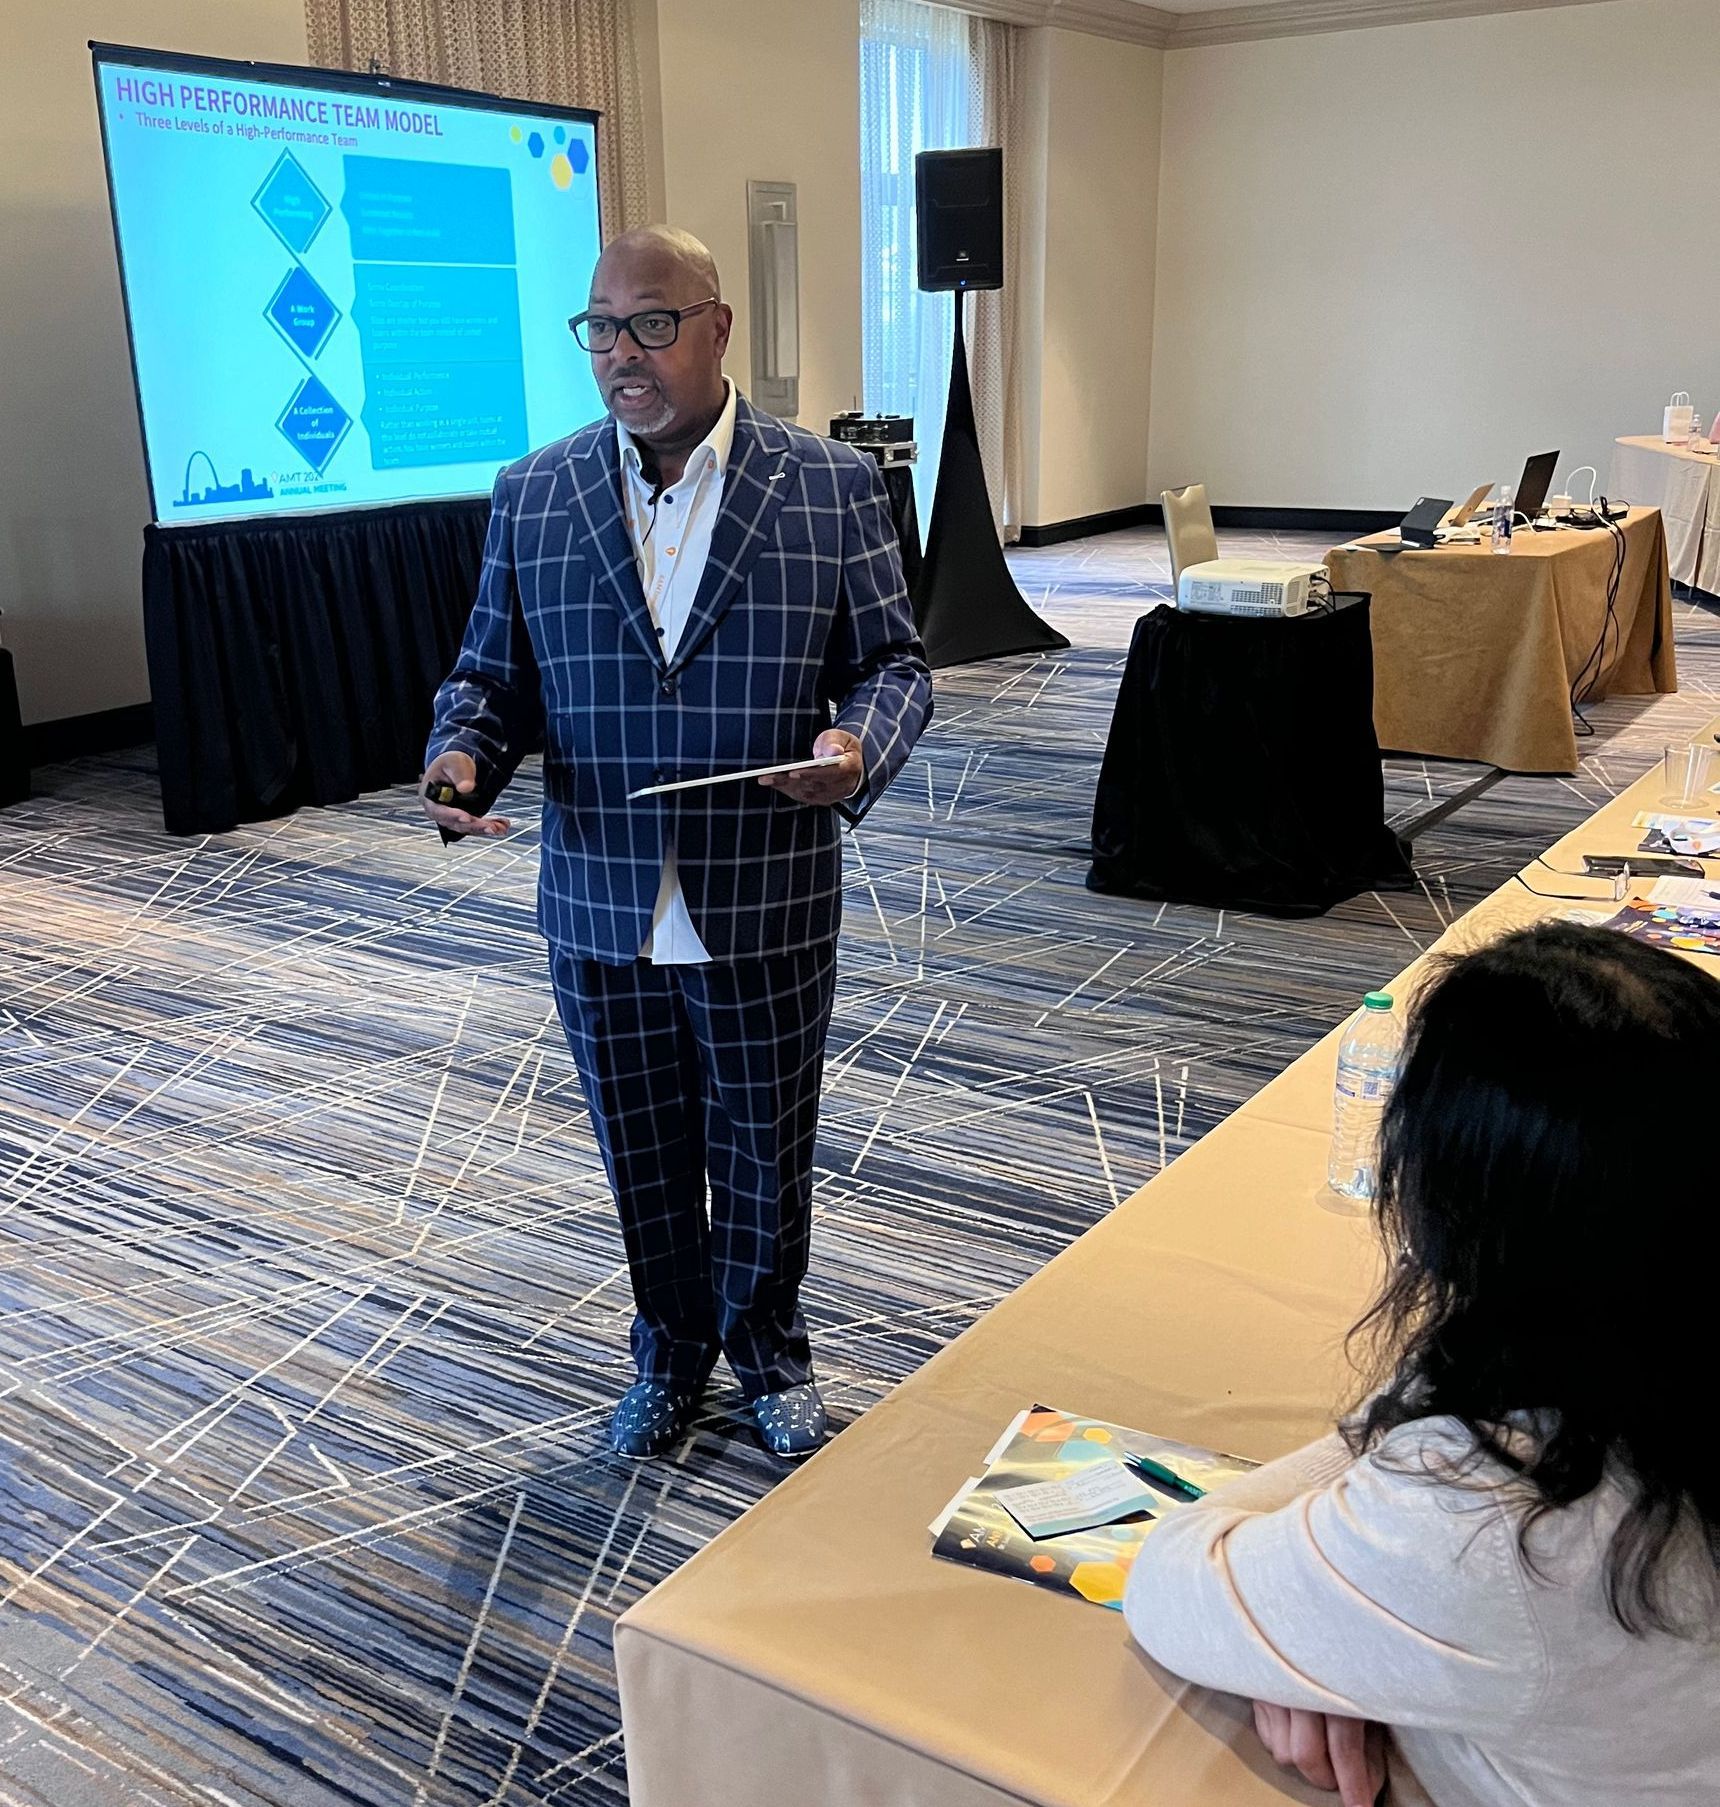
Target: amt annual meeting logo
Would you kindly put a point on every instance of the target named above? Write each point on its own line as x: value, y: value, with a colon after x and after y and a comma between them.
x: 247, y: 489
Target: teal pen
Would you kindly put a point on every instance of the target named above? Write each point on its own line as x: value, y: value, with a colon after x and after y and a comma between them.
x: 1156, y: 1471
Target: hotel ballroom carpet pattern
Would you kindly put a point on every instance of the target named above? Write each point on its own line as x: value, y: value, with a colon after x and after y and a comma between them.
x: 312, y: 1306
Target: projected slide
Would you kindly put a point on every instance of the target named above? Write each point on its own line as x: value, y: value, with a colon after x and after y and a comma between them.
x: 344, y: 293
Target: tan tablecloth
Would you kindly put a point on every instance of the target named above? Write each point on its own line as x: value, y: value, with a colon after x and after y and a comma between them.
x: 1475, y: 654
x: 1685, y: 487
x: 817, y: 1655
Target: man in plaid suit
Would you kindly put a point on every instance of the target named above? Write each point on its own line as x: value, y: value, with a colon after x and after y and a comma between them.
x: 687, y: 588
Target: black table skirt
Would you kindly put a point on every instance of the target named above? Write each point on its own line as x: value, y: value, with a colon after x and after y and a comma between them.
x: 14, y: 767
x: 295, y: 661
x: 899, y: 487
x: 1242, y: 770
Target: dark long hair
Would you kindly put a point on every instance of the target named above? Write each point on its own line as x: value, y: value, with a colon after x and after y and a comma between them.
x: 1546, y: 1184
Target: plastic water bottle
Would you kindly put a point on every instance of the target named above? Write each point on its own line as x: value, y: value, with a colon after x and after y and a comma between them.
x: 1698, y: 440
x: 1369, y: 1057
x: 1503, y: 518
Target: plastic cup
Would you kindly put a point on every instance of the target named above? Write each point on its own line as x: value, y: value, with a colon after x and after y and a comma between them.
x: 1689, y: 773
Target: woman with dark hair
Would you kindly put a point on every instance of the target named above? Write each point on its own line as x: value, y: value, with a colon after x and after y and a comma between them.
x: 1503, y: 1574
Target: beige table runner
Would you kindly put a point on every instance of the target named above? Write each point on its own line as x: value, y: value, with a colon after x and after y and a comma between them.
x: 1475, y: 654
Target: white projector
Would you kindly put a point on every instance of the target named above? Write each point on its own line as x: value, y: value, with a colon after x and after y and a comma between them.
x: 1246, y: 586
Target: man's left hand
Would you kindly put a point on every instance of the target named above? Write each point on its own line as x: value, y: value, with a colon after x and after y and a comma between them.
x: 829, y: 783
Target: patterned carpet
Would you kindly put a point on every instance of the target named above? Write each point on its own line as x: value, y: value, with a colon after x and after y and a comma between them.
x: 311, y: 1300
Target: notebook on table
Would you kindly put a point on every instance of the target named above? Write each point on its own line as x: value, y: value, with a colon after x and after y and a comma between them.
x: 1042, y: 1445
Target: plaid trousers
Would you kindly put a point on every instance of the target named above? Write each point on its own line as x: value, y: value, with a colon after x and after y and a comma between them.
x: 696, y: 1073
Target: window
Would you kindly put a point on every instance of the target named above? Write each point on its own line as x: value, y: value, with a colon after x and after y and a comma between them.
x: 916, y: 94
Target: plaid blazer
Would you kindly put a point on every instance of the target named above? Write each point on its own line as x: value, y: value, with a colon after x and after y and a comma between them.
x: 802, y: 612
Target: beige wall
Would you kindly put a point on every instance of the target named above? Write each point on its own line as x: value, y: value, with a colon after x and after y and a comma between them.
x: 770, y: 90
x: 1089, y: 224
x: 72, y: 495
x: 1392, y: 262
x: 1315, y: 303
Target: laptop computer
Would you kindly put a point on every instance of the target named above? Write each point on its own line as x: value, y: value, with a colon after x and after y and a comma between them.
x: 1531, y: 495
x: 1464, y: 512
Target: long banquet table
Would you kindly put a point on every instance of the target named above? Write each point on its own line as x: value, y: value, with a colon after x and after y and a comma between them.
x: 816, y: 1654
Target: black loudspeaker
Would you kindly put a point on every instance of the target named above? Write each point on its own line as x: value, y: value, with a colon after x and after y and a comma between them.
x: 959, y: 197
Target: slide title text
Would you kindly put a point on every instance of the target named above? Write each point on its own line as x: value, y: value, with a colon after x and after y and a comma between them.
x: 248, y: 103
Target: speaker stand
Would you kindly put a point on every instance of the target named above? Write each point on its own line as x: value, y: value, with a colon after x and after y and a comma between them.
x: 966, y: 605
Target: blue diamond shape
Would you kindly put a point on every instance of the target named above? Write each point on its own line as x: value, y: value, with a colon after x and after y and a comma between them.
x: 314, y: 424
x: 578, y: 156
x: 303, y: 315
x: 293, y: 205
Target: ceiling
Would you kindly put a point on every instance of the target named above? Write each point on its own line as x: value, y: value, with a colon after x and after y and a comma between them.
x: 1178, y: 23
x: 1210, y: 6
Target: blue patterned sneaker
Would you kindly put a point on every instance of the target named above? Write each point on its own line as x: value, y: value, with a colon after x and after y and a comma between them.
x: 791, y: 1422
x: 650, y: 1419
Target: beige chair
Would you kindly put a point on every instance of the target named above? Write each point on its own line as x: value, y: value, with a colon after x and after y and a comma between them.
x: 1188, y: 527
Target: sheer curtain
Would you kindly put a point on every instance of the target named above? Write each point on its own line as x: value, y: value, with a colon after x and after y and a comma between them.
x: 571, y: 53
x: 916, y: 94
x: 992, y: 368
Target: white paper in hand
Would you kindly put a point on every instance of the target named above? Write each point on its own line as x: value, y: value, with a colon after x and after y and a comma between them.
x: 757, y: 771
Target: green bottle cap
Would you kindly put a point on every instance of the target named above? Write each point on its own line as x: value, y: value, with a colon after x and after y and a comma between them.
x: 1377, y: 1000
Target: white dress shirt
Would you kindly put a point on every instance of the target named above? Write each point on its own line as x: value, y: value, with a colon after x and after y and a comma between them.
x: 671, y: 542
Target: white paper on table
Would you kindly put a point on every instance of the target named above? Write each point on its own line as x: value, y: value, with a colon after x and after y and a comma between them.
x: 1692, y: 836
x: 995, y: 1453
x: 1700, y: 896
x: 757, y: 771
x: 936, y: 1527
x: 1096, y: 1493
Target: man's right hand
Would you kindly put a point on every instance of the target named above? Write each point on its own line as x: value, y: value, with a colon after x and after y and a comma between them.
x: 459, y: 770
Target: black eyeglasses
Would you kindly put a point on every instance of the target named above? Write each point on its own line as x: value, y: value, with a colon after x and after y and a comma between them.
x: 652, y: 330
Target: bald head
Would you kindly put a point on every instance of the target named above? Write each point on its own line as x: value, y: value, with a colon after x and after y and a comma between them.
x: 651, y: 283
x: 664, y: 256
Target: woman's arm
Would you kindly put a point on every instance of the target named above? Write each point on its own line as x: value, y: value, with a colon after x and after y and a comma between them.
x: 1363, y: 1588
